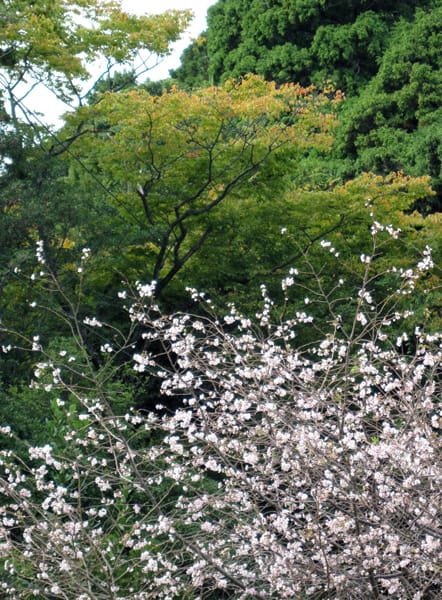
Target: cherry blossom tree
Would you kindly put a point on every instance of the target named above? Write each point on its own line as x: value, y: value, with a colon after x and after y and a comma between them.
x: 284, y: 471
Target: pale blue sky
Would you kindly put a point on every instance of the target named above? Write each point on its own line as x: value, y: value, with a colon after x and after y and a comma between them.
x: 198, y: 7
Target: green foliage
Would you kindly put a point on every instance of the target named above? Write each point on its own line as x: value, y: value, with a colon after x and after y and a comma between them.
x: 55, y: 41
x: 26, y: 412
x: 348, y: 54
x: 122, y: 80
x: 259, y: 241
x: 306, y: 42
x: 193, y: 72
x: 395, y: 123
x: 186, y: 155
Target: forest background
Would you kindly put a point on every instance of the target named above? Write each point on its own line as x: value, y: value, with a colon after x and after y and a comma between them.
x: 287, y: 131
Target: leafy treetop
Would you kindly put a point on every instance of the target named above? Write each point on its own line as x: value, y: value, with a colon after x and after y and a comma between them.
x: 170, y: 161
x: 54, y: 41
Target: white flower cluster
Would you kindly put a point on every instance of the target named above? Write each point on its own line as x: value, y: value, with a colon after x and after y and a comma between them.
x: 40, y: 252
x: 92, y: 322
x: 284, y: 471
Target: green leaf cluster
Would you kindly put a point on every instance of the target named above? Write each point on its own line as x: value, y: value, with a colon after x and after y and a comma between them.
x: 395, y: 122
x: 296, y: 40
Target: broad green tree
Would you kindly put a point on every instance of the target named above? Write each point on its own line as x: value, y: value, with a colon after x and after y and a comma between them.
x: 55, y: 43
x: 170, y: 162
x: 260, y: 241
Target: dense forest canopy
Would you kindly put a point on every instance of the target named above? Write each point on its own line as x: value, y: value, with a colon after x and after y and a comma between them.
x: 220, y: 297
x: 307, y: 42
